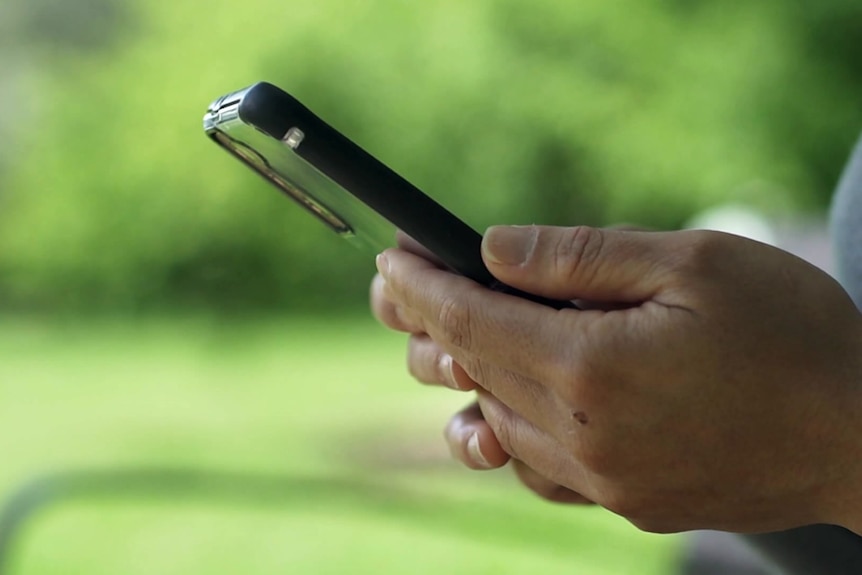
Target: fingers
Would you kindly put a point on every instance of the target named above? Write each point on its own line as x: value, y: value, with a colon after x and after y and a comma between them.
x: 579, y: 262
x: 472, y: 442
x: 386, y: 311
x: 536, y: 449
x: 382, y: 306
x: 467, y: 319
x: 545, y: 488
x: 428, y: 363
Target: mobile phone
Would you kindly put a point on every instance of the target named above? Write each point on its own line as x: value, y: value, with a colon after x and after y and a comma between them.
x: 351, y: 192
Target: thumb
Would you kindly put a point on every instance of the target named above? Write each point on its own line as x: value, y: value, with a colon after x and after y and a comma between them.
x: 578, y: 262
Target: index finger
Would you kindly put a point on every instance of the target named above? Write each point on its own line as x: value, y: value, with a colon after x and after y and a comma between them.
x: 524, y: 337
x: 386, y: 311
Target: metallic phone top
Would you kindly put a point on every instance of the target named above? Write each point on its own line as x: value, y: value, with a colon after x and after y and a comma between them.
x: 354, y: 194
x: 276, y: 159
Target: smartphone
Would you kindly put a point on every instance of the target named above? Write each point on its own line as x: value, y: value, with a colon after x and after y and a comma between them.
x: 348, y: 190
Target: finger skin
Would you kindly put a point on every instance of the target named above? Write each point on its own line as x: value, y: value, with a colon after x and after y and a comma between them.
x: 428, y: 363
x: 382, y: 306
x: 469, y: 421
x: 535, y: 448
x: 458, y: 433
x: 465, y: 318
x: 496, y: 328
x: 545, y: 488
x: 725, y: 395
x: 384, y: 310
x: 582, y: 262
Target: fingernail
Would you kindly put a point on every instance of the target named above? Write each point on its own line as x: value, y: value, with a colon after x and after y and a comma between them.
x: 447, y: 365
x: 382, y: 265
x: 509, y: 245
x: 461, y: 382
x: 475, y: 451
x: 448, y: 373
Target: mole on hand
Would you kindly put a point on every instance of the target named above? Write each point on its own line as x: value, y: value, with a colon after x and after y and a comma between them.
x: 580, y: 417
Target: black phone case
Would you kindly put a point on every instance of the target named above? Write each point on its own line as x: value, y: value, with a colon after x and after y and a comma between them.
x: 275, y: 112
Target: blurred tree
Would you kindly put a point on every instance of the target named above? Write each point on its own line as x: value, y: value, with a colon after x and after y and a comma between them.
x: 78, y: 24
x: 33, y: 26
x: 581, y: 112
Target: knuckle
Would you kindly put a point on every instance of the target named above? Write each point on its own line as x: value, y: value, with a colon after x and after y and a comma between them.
x: 576, y: 249
x: 476, y: 371
x: 454, y: 319
x: 576, y: 381
x: 701, y: 252
x: 423, y: 360
x: 392, y: 317
x: 407, y: 321
x: 582, y: 384
x: 505, y: 429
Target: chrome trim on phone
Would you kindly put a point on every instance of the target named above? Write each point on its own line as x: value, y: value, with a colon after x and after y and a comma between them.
x: 223, y: 109
x: 218, y: 122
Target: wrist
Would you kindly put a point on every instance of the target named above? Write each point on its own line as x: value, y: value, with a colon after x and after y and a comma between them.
x: 847, y: 506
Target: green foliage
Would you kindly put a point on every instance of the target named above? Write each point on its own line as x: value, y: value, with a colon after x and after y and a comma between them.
x: 555, y: 112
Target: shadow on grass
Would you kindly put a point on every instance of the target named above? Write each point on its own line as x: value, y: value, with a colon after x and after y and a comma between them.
x: 273, y: 491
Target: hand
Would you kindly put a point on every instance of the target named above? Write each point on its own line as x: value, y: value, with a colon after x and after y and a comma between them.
x: 725, y: 395
x: 470, y: 438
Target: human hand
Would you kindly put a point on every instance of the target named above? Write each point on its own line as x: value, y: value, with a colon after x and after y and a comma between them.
x: 725, y: 395
x: 468, y: 435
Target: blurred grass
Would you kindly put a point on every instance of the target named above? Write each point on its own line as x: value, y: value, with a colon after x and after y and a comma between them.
x: 294, y: 398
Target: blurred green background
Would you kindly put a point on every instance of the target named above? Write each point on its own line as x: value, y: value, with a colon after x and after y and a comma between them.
x: 555, y: 112
x: 164, y: 307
